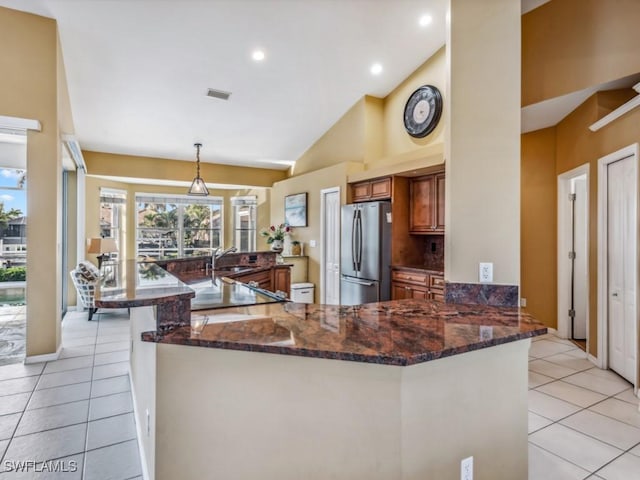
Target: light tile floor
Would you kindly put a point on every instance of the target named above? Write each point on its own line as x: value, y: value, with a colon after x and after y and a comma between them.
x: 76, y: 413
x: 583, y: 422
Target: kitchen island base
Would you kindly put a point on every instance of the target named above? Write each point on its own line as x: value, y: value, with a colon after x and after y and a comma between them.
x: 229, y: 414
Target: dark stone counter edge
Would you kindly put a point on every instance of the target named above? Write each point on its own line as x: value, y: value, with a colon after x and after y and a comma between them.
x: 400, y: 361
x: 144, y: 302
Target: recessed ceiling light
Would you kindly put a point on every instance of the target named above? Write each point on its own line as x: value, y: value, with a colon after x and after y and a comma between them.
x: 376, y: 69
x: 425, y: 20
x: 258, y: 55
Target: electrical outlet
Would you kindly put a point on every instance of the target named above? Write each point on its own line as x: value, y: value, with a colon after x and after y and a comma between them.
x: 466, y: 469
x: 486, y: 272
x: 312, y: 243
x: 523, y: 302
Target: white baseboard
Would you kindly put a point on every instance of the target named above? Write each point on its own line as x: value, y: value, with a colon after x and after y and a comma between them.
x: 143, y: 458
x: 594, y: 360
x: 47, y: 357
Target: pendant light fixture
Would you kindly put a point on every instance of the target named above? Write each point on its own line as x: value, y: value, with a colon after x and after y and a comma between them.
x: 198, y: 186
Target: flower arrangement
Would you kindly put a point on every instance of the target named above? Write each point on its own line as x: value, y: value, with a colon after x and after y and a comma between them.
x: 276, y: 232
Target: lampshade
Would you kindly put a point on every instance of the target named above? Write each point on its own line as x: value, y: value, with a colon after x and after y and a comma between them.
x: 102, y: 245
x: 198, y: 187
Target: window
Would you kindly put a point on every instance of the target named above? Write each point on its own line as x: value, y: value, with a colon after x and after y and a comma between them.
x: 112, y: 207
x: 244, y: 222
x: 178, y: 226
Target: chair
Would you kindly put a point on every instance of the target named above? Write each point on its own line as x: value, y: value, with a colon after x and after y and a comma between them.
x: 85, y: 277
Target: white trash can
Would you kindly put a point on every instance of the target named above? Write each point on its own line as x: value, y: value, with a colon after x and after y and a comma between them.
x: 302, y: 292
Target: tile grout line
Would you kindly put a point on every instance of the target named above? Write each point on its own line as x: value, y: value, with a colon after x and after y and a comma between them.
x: 86, y: 431
x: 24, y: 409
x: 562, y: 458
x: 607, y: 397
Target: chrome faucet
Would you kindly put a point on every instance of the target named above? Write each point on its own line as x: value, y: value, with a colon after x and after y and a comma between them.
x: 215, y: 255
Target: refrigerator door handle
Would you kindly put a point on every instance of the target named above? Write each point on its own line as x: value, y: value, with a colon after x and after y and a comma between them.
x: 359, y: 260
x: 353, y: 240
x: 358, y: 282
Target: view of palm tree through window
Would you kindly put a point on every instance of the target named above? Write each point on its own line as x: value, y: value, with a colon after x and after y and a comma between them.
x: 178, y: 226
x: 13, y: 264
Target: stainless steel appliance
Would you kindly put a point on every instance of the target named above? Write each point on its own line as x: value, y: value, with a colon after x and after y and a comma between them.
x: 365, y: 253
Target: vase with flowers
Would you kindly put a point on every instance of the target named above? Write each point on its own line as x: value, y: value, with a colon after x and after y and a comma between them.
x: 275, y: 236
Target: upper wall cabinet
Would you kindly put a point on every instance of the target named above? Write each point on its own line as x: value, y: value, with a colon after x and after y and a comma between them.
x: 376, y: 189
x: 426, y: 205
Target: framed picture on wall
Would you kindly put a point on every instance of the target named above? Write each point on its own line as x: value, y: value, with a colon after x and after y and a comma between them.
x: 295, y: 210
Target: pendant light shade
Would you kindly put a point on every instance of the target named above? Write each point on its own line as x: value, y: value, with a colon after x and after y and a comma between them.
x: 198, y: 187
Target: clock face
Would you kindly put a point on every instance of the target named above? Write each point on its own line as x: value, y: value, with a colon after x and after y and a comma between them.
x: 422, y: 111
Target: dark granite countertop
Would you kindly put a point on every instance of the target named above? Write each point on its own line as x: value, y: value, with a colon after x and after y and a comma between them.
x: 135, y: 284
x: 403, y: 332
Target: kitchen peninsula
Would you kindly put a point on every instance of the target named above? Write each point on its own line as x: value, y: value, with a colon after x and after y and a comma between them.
x: 391, y: 390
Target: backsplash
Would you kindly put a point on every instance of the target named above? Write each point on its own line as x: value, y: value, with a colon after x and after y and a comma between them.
x: 434, y: 252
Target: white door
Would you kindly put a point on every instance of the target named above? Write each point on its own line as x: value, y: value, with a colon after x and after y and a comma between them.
x: 330, y: 294
x: 622, y: 263
x: 580, y: 273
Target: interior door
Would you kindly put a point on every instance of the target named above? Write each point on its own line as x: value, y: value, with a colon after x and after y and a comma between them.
x: 622, y: 264
x: 332, y: 248
x: 580, y: 278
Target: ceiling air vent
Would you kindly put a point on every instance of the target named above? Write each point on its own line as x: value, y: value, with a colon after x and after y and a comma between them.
x: 222, y: 95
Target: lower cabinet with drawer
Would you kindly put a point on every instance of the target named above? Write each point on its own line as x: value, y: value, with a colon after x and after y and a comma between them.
x: 416, y: 284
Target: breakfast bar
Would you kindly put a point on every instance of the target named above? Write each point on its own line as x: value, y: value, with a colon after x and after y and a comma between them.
x: 389, y: 390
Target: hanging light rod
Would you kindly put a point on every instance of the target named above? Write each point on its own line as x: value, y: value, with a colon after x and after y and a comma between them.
x: 198, y: 187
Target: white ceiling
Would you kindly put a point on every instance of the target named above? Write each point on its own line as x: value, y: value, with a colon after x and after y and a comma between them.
x: 138, y: 70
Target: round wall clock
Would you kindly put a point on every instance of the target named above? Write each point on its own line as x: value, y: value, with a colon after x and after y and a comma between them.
x: 422, y: 111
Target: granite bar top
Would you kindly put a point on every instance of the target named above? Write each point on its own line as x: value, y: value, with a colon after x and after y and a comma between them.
x: 402, y: 332
x: 134, y: 284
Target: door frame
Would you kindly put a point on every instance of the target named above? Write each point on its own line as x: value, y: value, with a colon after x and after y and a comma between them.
x: 603, y: 264
x: 564, y: 246
x: 323, y: 243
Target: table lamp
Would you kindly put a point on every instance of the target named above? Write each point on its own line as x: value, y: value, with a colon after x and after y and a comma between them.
x: 103, y: 247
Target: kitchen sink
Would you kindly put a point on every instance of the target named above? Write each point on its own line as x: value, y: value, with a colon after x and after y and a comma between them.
x: 237, y: 269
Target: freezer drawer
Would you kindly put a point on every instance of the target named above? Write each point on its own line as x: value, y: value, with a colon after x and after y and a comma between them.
x: 355, y: 291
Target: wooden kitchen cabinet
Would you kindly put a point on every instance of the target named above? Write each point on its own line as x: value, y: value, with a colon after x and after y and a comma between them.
x: 426, y: 215
x: 369, y: 190
x: 416, y: 284
x: 282, y: 279
x: 263, y: 278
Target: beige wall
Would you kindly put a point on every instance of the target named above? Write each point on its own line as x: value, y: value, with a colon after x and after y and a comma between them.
x: 396, y: 140
x: 312, y: 183
x: 343, y: 142
x: 483, y: 141
x: 110, y: 164
x: 538, y: 243
x: 359, y: 421
x: 30, y: 81
x: 372, y: 131
x: 570, y: 45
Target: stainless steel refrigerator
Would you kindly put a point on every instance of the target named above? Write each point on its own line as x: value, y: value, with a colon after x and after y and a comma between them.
x: 365, y: 273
